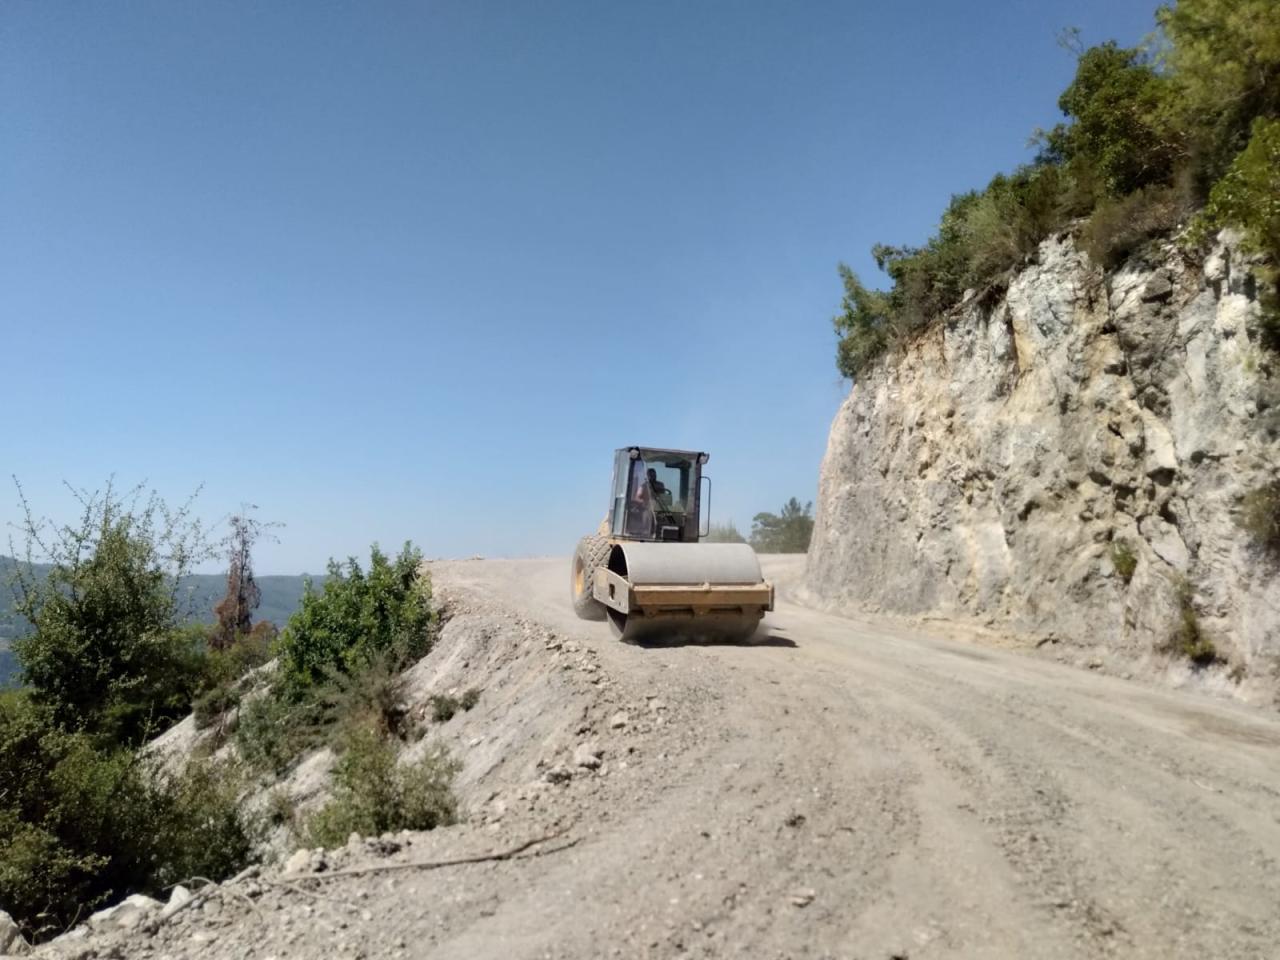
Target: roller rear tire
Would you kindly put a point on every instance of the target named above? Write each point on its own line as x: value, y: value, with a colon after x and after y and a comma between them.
x: 592, y: 552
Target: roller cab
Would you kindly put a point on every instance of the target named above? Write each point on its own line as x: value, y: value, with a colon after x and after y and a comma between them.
x: 647, y: 573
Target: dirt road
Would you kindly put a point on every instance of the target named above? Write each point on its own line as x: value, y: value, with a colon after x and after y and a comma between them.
x: 833, y: 789
x: 934, y: 798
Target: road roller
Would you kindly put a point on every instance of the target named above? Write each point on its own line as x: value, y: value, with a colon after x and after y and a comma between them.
x: 646, y: 570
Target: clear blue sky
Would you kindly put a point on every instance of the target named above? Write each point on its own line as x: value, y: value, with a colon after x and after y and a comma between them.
x: 413, y: 270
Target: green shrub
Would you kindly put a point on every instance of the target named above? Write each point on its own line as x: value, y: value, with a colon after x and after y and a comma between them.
x: 358, y: 615
x: 373, y: 794
x: 273, y: 731
x: 928, y: 280
x: 371, y: 698
x: 340, y: 658
x: 1261, y: 517
x: 280, y: 810
x: 1248, y: 196
x: 200, y: 829
x: 1224, y: 57
x: 443, y: 706
x: 106, y: 653
x: 1188, y: 638
x: 223, y: 673
x: 1123, y: 131
x: 1117, y: 228
x: 81, y: 824
x: 1123, y: 559
x: 861, y: 326
x: 213, y: 705
x: 1012, y: 216
x: 981, y: 237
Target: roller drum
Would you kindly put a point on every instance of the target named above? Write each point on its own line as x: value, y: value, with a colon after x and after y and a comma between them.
x: 689, y: 564
x: 707, y: 591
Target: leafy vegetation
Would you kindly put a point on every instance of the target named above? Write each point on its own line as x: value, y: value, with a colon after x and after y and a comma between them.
x: 1151, y: 135
x: 82, y: 822
x: 197, y: 595
x: 273, y: 731
x: 340, y: 658
x: 224, y: 672
x: 444, y: 706
x: 1261, y: 517
x: 109, y: 658
x: 1121, y: 226
x: 1224, y: 59
x: 785, y: 532
x: 1189, y: 639
x: 374, y: 793
x: 357, y: 616
x: 108, y: 653
x: 1123, y: 559
x: 1248, y: 195
x: 1122, y: 137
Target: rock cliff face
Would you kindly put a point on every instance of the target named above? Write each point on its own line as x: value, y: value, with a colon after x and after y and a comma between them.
x: 1000, y: 468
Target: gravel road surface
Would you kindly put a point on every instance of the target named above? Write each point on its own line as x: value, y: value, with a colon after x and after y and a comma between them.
x: 932, y: 797
x: 835, y: 788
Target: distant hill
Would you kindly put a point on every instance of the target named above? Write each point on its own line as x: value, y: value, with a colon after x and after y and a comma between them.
x: 281, y: 596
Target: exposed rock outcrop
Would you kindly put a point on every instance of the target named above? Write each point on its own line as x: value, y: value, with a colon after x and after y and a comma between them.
x: 1002, y: 466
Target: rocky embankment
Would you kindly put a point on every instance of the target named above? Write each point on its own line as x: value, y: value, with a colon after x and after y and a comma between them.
x: 1067, y: 463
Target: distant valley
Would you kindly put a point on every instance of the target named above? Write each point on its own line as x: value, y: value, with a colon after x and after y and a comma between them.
x: 281, y: 596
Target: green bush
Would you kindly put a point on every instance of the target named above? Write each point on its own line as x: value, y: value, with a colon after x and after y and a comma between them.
x: 107, y: 653
x: 273, y: 731
x: 1224, y: 59
x: 1248, y: 196
x: 1261, y: 517
x: 1188, y: 638
x: 1124, y: 560
x: 1011, y: 217
x: 200, y: 828
x: 81, y: 824
x: 223, y: 673
x: 340, y: 658
x: 444, y: 707
x: 862, y: 325
x: 358, y: 615
x: 213, y: 705
x: 1119, y: 227
x: 1123, y: 133
x: 374, y: 794
x: 371, y: 698
x: 982, y: 236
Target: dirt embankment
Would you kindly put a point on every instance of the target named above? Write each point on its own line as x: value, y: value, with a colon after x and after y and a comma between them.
x: 836, y: 788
